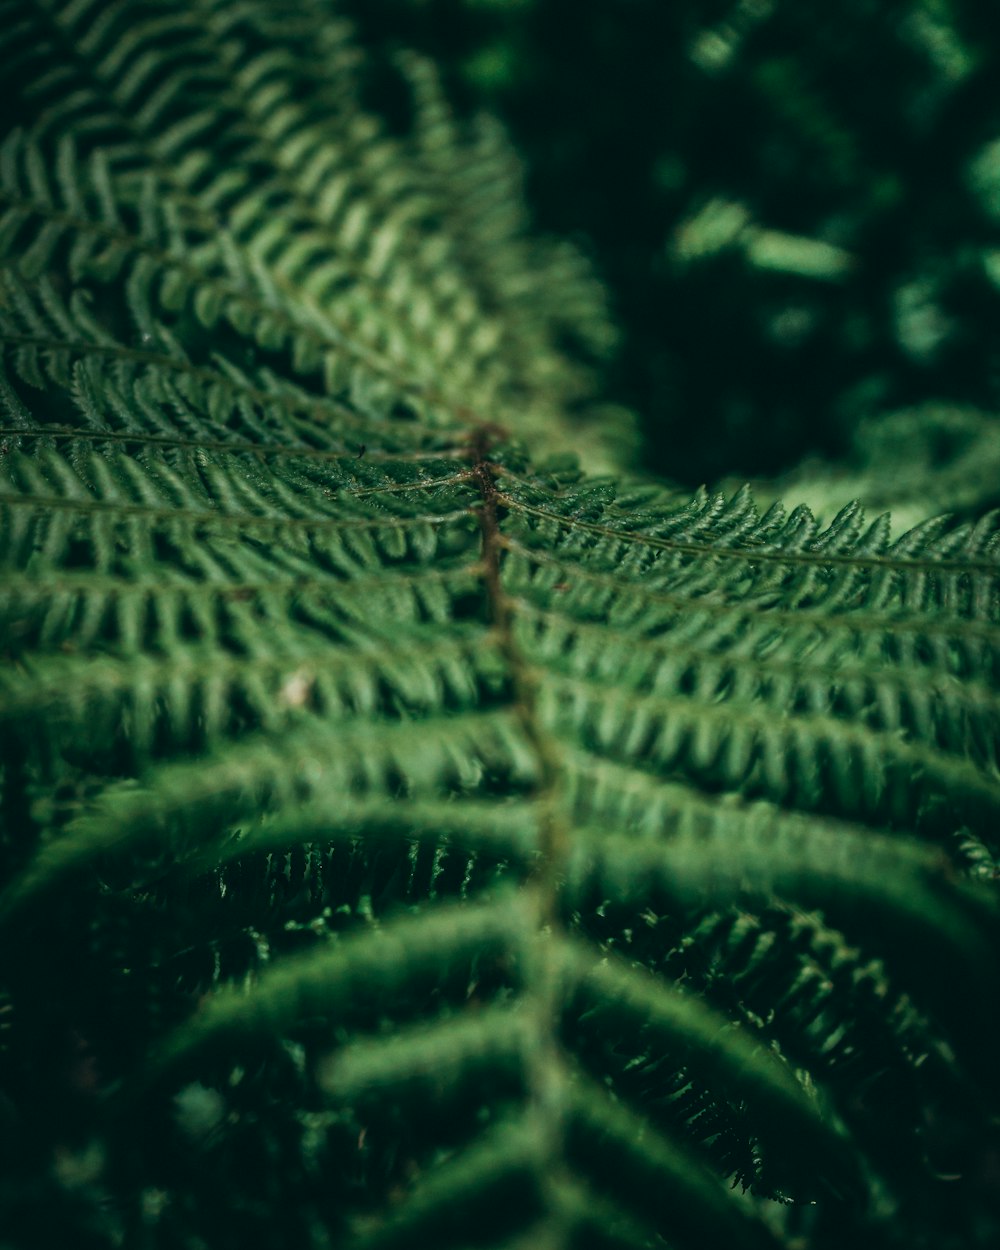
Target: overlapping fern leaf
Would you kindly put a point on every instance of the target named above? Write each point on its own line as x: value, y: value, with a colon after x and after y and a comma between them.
x: 408, y: 838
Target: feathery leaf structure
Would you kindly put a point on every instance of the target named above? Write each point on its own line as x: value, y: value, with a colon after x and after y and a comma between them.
x: 433, y: 844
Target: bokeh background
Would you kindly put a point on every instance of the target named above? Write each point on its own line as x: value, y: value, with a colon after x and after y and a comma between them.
x: 796, y: 209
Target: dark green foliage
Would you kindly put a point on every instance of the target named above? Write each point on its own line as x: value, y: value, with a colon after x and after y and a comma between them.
x: 411, y: 838
x: 796, y: 212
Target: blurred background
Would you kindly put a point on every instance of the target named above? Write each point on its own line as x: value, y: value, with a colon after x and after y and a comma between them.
x: 796, y: 210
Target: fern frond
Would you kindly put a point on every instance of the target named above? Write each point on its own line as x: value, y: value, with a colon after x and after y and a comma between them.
x: 504, y: 853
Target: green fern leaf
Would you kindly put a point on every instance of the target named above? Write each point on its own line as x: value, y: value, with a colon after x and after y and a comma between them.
x: 425, y: 841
